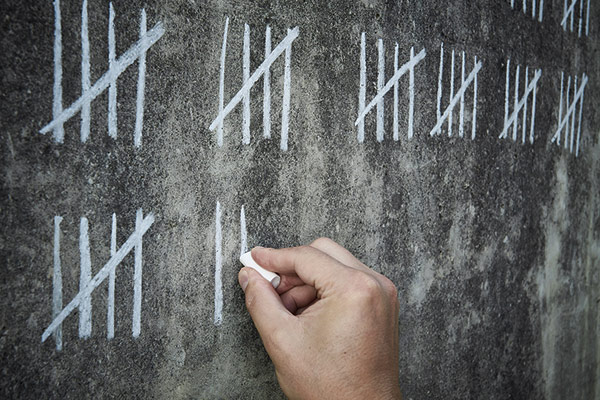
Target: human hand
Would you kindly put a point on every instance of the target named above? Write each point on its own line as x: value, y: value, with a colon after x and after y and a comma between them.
x: 331, y: 327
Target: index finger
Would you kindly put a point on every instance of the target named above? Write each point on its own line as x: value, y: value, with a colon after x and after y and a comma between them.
x: 313, y: 266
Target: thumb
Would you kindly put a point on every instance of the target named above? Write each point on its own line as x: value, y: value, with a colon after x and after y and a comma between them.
x: 263, y: 303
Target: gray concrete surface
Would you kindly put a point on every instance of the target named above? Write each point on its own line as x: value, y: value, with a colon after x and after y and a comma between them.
x: 494, y: 245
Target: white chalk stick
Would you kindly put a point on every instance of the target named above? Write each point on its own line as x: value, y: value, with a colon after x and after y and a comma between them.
x: 249, y: 262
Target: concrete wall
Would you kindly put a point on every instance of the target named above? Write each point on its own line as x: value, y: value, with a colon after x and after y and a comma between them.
x: 494, y: 244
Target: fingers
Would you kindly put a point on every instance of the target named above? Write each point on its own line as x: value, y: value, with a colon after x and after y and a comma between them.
x: 287, y: 282
x: 314, y: 267
x: 298, y: 297
x: 262, y: 301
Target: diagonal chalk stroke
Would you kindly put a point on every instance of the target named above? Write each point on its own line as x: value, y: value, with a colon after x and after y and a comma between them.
x: 114, y: 261
x: 568, y: 12
x: 456, y: 99
x: 390, y: 84
x: 571, y: 108
x: 520, y: 104
x: 281, y: 47
x: 124, y: 61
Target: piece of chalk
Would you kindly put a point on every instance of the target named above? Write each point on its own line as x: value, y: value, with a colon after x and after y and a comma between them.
x: 249, y: 262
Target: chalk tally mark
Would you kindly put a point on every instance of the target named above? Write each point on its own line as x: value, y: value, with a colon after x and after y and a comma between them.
x: 566, y: 122
x: 520, y: 104
x: 218, y: 314
x: 384, y: 87
x: 87, y: 283
x: 533, y: 7
x: 263, y: 70
x: 116, y: 66
x: 574, y: 16
x: 458, y: 97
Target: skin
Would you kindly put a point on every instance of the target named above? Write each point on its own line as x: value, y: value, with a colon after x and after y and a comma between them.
x: 331, y: 327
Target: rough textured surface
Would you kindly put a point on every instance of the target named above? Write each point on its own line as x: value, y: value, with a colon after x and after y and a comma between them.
x: 494, y: 245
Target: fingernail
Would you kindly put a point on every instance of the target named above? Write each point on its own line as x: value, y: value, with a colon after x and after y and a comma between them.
x: 243, y: 279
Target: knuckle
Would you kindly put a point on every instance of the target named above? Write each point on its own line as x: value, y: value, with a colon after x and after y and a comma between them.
x: 390, y: 288
x: 366, y: 286
x: 322, y: 242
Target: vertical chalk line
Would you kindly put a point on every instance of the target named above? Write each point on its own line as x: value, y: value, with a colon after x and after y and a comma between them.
x: 85, y: 273
x: 512, y: 3
x: 439, y: 92
x: 524, y: 6
x: 531, y: 133
x: 245, y: 77
x: 461, y: 128
x: 411, y: 93
x: 388, y: 86
x: 580, y: 118
x: 222, y: 84
x: 572, y: 12
x: 573, y: 118
x: 243, y: 232
x: 279, y: 49
x: 137, y: 276
x: 57, y: 282
x: 141, y: 85
x: 474, y: 122
x: 110, y: 313
x: 541, y: 11
x: 218, y: 318
x: 287, y: 90
x: 516, y: 102
x: 112, y: 90
x: 567, y: 114
x: 506, y: 92
x: 85, y: 74
x: 380, y: 84
x: 267, y: 89
x: 59, y: 131
x: 560, y: 106
x: 563, y: 22
x: 533, y: 7
x: 99, y: 277
x: 580, y: 17
x: 587, y: 19
x: 451, y: 94
x: 362, y: 91
x: 396, y: 87
x: 438, y: 126
x: 524, y: 125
